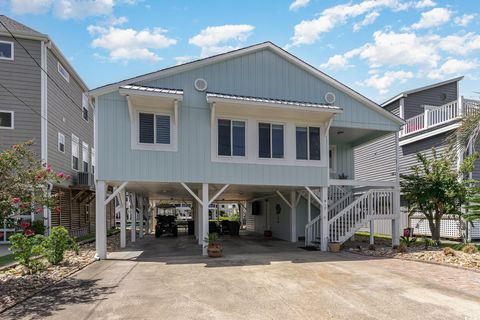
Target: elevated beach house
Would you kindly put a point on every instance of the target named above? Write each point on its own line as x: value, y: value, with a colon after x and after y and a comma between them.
x: 257, y: 125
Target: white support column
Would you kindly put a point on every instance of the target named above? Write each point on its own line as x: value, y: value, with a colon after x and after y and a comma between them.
x: 199, y: 224
x: 372, y: 232
x: 293, y: 216
x: 395, y: 232
x: 100, y: 222
x: 142, y: 212
x: 133, y: 216
x: 123, y: 219
x: 396, y: 196
x: 309, y: 208
x: 204, y: 218
x: 324, y: 220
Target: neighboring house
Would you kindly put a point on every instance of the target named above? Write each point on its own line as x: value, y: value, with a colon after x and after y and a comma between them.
x: 431, y: 113
x: 257, y: 125
x: 54, y: 112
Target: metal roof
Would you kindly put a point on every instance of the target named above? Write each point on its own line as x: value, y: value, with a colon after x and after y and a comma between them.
x: 153, y: 90
x: 273, y: 101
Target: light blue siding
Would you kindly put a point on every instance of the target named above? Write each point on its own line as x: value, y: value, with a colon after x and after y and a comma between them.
x: 262, y: 74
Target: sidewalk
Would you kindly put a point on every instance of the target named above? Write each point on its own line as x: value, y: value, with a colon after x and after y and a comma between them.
x: 4, y: 250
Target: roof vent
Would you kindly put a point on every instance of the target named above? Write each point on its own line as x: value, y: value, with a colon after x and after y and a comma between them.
x: 201, y: 84
x: 330, y: 97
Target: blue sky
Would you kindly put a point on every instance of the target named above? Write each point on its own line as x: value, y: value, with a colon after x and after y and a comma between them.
x: 377, y: 47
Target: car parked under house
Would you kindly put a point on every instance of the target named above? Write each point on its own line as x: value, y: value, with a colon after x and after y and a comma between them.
x: 51, y: 108
x: 257, y: 125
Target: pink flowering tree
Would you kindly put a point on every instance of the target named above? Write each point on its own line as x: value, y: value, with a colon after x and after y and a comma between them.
x: 24, y: 182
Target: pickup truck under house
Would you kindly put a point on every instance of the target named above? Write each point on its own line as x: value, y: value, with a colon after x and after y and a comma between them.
x: 250, y: 125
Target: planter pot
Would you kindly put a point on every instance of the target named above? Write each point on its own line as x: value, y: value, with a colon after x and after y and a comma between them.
x: 267, y: 233
x: 214, y: 250
x: 234, y: 228
x: 334, y: 246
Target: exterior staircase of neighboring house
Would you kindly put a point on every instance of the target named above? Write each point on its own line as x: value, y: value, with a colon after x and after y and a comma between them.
x: 349, y: 211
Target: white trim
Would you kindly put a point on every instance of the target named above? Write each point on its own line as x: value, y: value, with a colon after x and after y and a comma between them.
x: 85, y: 155
x: 229, y: 55
x: 136, y: 145
x: 12, y: 48
x: 75, y: 140
x: 85, y: 105
x: 44, y: 102
x: 133, y: 92
x: 363, y: 183
x: 231, y: 119
x: 61, y: 68
x: 429, y: 134
x: 401, y: 108
x: 95, y: 140
x: 290, y: 205
x: 192, y: 193
x: 271, y: 123
x: 61, y: 137
x: 12, y: 114
x: 116, y: 192
x: 218, y: 194
x: 320, y: 136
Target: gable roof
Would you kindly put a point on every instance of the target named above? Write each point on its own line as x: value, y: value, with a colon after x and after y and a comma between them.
x: 19, y: 30
x: 406, y: 93
x: 243, y: 51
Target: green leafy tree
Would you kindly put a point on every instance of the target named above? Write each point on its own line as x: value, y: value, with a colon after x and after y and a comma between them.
x: 24, y: 182
x: 436, y: 188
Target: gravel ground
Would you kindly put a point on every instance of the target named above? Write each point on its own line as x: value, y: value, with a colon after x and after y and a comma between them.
x: 17, y: 285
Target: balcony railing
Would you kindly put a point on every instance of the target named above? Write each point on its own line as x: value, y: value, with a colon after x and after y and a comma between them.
x: 434, y: 116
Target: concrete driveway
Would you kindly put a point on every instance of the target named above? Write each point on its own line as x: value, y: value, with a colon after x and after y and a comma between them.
x: 251, y: 282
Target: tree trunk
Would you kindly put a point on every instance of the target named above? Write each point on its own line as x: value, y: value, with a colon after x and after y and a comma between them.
x: 434, y: 224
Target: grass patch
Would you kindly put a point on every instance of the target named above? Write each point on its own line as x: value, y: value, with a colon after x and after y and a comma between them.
x: 375, y: 235
x: 6, y: 260
x: 91, y: 236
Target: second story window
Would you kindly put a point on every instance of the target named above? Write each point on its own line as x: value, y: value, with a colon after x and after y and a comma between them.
x: 308, y: 143
x: 85, y: 156
x: 63, y: 72
x: 85, y: 107
x: 6, y: 50
x: 154, y: 128
x: 6, y: 119
x: 270, y: 140
x: 93, y: 160
x: 231, y: 138
x: 61, y: 142
x: 75, y: 152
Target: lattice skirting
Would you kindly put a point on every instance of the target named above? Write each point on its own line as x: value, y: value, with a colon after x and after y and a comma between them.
x: 450, y: 228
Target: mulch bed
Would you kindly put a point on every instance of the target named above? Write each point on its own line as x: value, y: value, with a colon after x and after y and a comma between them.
x: 17, y: 285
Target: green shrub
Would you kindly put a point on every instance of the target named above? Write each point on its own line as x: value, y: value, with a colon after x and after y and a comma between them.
x: 428, y: 243
x: 57, y: 243
x: 26, y: 248
x: 38, y: 227
x: 408, y: 241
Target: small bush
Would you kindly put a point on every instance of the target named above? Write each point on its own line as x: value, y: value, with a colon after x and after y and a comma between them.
x: 470, y: 248
x: 449, y: 252
x: 428, y: 243
x: 26, y: 248
x: 408, y: 241
x: 57, y: 243
x: 38, y: 227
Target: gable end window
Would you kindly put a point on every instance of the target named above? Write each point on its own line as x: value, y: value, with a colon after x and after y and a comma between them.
x: 61, y: 142
x: 85, y: 107
x: 154, y: 128
x: 6, y: 119
x: 63, y: 72
x: 231, y: 138
x: 308, y: 143
x: 270, y: 140
x: 75, y: 152
x: 6, y: 50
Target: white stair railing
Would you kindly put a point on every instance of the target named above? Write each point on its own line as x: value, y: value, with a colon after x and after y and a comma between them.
x: 312, y: 232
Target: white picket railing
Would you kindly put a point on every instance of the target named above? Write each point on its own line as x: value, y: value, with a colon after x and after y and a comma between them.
x: 442, y: 114
x: 414, y: 124
x: 373, y: 204
x: 312, y: 232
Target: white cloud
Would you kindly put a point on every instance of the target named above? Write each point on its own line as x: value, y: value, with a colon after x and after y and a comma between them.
x: 433, y: 18
x: 297, y: 4
x: 453, y: 67
x: 340, y: 62
x: 369, y: 19
x: 308, y: 31
x: 464, y: 20
x: 129, y: 44
x: 425, y: 4
x: 218, y: 39
x: 459, y: 44
x: 383, y: 83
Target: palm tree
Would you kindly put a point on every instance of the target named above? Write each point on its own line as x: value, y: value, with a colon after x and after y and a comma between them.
x: 468, y: 133
x: 473, y: 209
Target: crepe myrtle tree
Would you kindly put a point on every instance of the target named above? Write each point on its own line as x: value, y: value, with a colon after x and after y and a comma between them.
x: 24, y: 182
x: 435, y: 188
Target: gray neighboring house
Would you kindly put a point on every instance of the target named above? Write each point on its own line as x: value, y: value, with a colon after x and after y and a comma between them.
x: 58, y: 117
x: 432, y: 113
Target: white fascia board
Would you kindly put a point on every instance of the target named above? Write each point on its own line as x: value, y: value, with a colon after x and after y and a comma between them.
x: 402, y: 95
x: 68, y: 66
x: 288, y: 56
x: 133, y: 92
x: 218, y: 100
x: 429, y: 134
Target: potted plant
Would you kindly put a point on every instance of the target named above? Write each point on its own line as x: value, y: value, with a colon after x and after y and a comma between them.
x: 214, y: 248
x: 334, y: 246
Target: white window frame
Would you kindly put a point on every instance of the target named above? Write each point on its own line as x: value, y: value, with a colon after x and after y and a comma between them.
x: 85, y: 155
x: 308, y: 126
x: 13, y: 48
x: 12, y: 113
x: 284, y: 125
x: 77, y: 141
x: 85, y: 106
x: 92, y: 161
x: 231, y: 137
x: 61, y: 137
x: 135, y: 134
x: 65, y: 76
x: 332, y: 148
